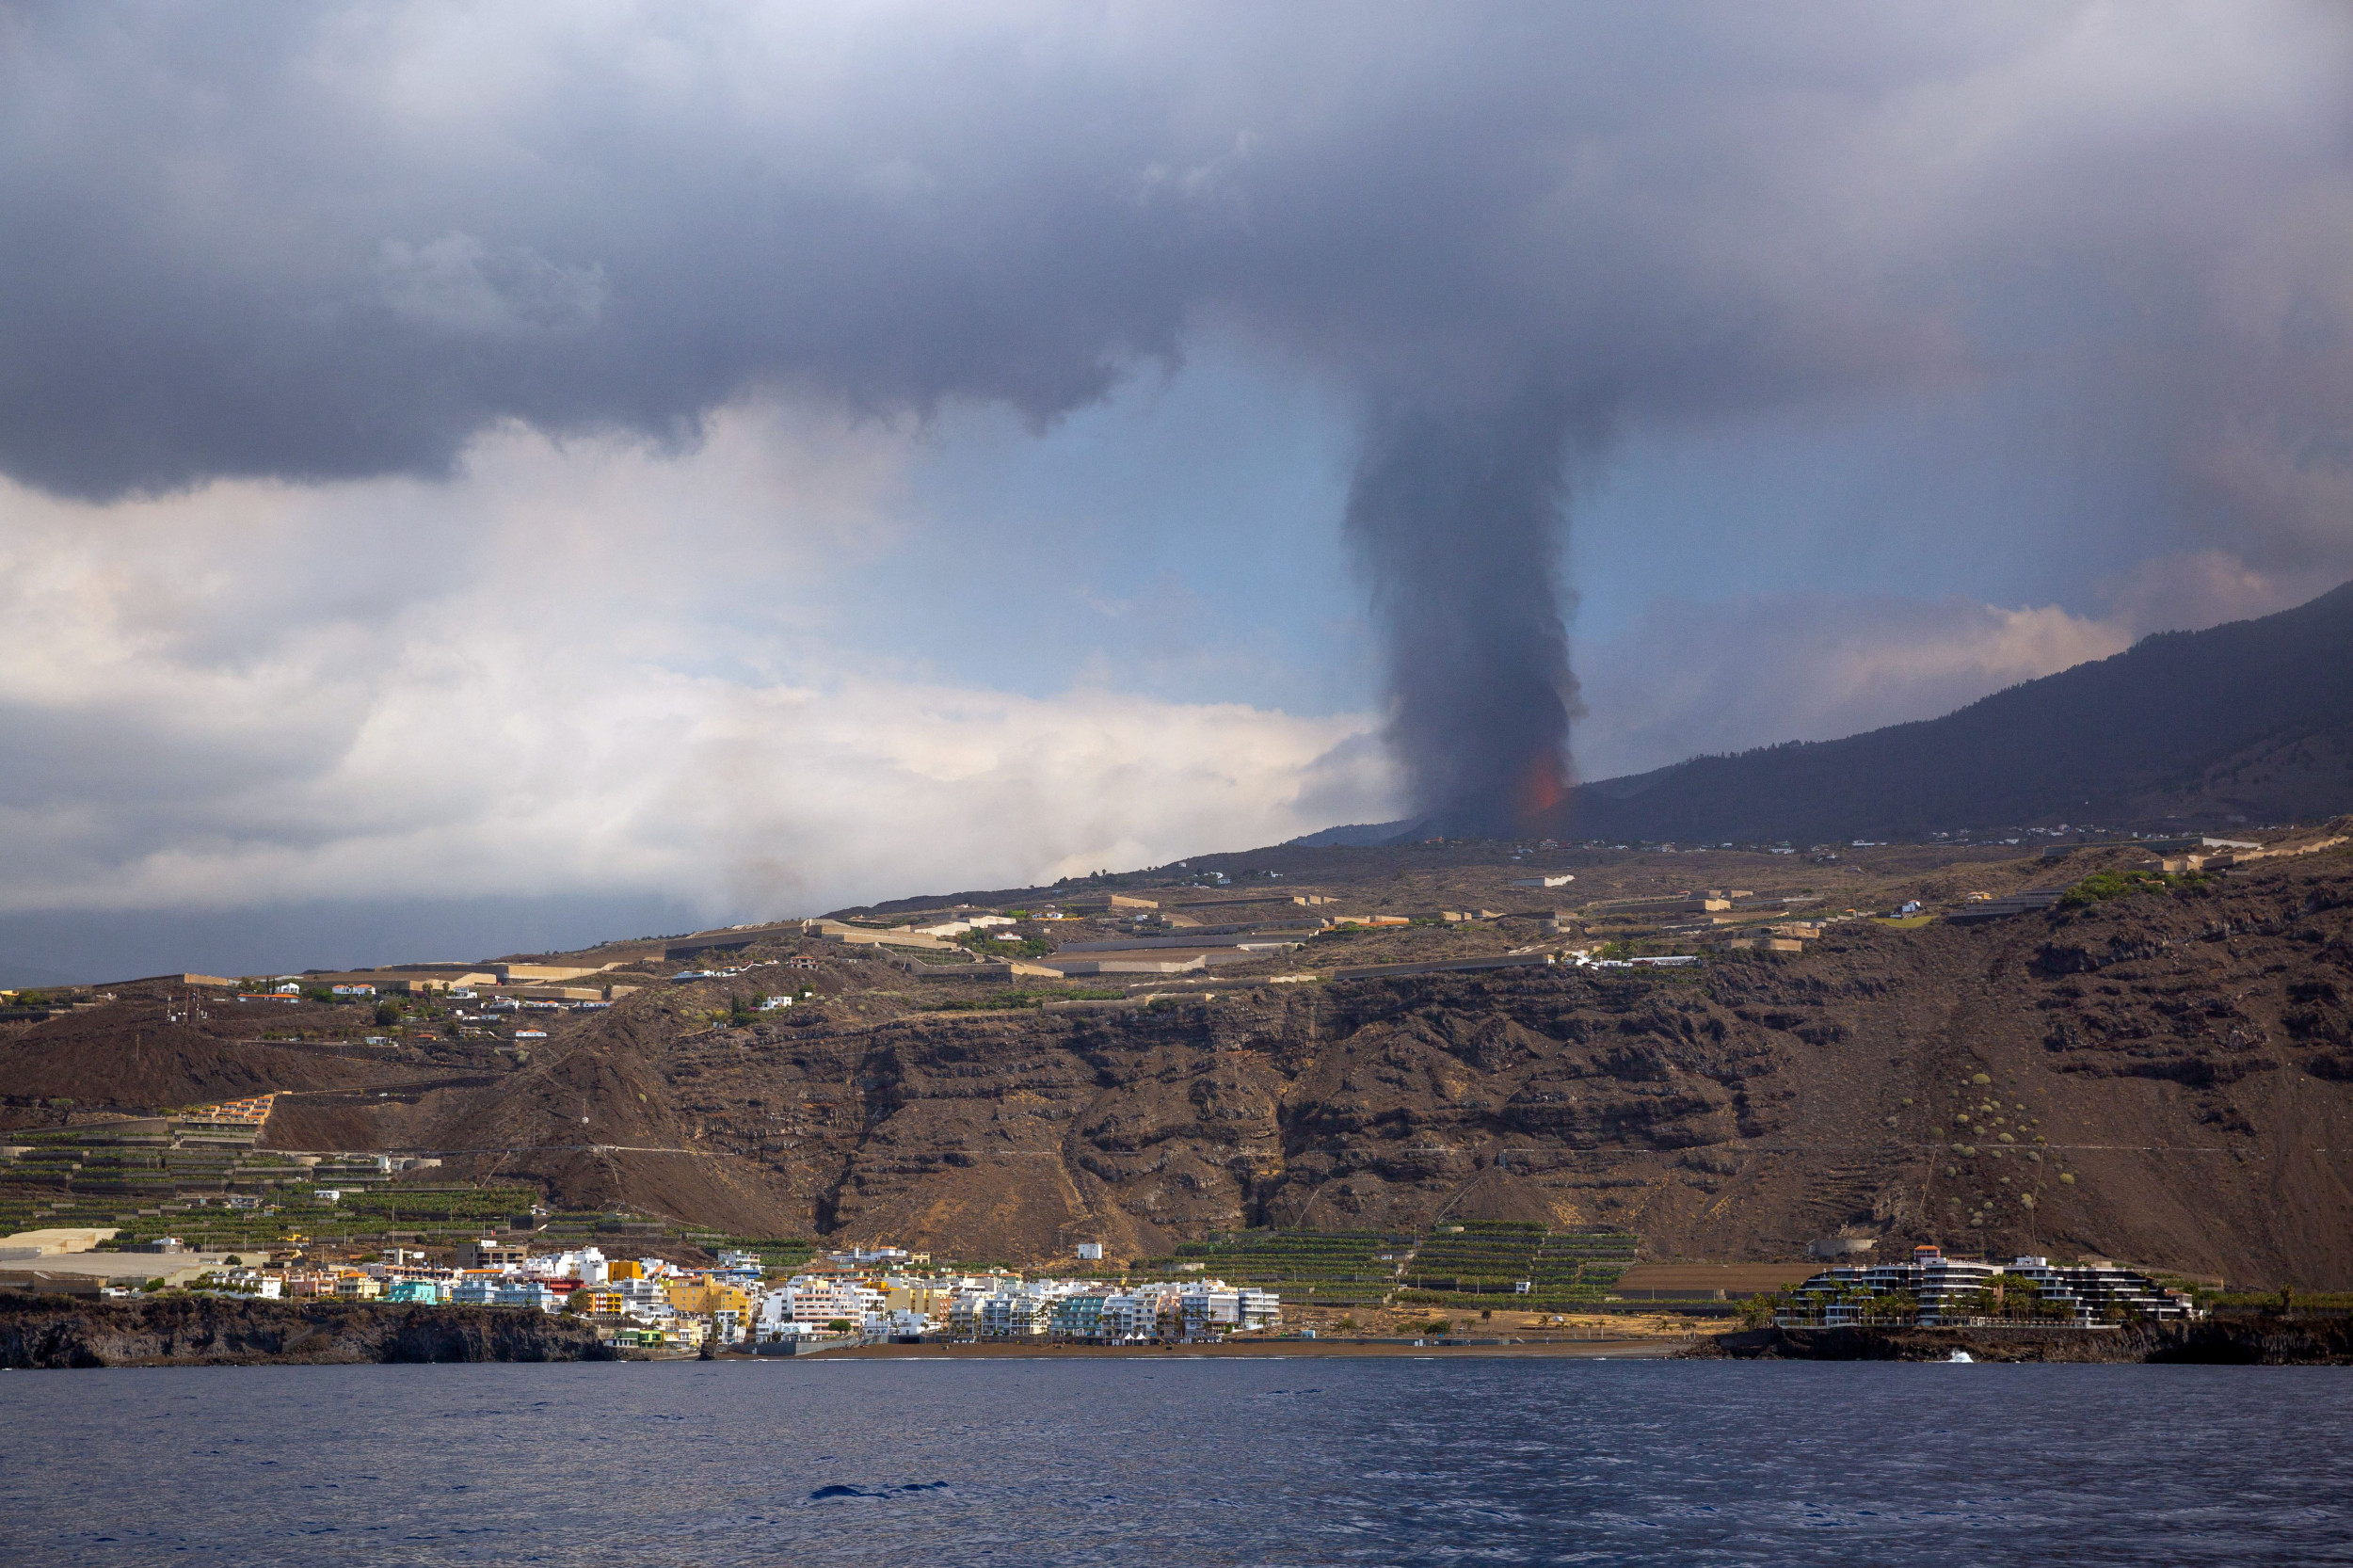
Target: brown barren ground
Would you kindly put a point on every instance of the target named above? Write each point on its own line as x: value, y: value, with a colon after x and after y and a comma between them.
x: 2164, y: 1078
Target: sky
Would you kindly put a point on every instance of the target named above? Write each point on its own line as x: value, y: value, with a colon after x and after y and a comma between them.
x: 477, y: 479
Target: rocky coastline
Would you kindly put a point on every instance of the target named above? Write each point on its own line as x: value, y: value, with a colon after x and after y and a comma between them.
x: 2250, y: 1342
x: 50, y: 1332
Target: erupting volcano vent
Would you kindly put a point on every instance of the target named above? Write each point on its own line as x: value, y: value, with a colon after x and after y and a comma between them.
x: 1455, y: 516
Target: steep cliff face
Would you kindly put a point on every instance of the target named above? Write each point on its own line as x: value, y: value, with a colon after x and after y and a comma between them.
x: 2162, y: 1078
x: 2165, y: 1077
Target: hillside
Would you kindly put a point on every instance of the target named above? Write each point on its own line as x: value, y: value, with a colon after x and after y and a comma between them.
x: 2247, y: 723
x: 2165, y: 1077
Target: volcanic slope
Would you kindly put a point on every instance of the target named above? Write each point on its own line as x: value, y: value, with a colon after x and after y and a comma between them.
x: 2248, y: 722
x: 2166, y: 1076
x: 148, y: 1049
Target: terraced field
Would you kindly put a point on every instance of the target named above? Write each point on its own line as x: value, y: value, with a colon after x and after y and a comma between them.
x: 220, y: 1193
x: 1471, y: 1264
x: 425, y: 1214
x: 1325, y: 1268
x: 775, y: 1254
x: 1486, y: 1264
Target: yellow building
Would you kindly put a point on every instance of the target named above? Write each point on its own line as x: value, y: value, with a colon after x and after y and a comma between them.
x: 699, y: 1296
x: 625, y: 1268
x: 359, y: 1287
x: 607, y: 1303
x: 931, y: 1301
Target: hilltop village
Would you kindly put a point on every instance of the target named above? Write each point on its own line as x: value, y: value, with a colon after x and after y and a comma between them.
x: 1512, y: 1087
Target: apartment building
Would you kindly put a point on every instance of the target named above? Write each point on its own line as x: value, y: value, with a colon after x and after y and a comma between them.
x: 1077, y: 1318
x: 1014, y: 1315
x: 1209, y: 1311
x: 1936, y: 1291
x: 703, y: 1296
x: 1133, y: 1314
x: 528, y: 1293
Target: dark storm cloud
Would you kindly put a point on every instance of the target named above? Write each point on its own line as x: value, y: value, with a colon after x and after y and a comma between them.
x: 338, y: 243
x: 319, y: 240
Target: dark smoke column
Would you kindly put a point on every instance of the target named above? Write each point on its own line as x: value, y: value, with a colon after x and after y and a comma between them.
x: 1456, y: 518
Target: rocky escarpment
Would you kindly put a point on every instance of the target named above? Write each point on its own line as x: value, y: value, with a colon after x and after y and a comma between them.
x: 2241, y: 1341
x: 2164, y: 1078
x: 55, y: 1332
x: 2155, y: 1078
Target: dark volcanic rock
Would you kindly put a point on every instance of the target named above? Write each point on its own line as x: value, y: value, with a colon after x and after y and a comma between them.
x: 52, y: 1331
x: 2247, y: 1341
x: 2165, y: 1077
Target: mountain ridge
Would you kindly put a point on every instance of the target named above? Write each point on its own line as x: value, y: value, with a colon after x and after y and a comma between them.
x: 2250, y: 721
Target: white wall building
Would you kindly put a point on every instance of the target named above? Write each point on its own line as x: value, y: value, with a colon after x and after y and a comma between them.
x: 898, y: 1320
x: 1211, y: 1310
x: 820, y: 1299
x: 1013, y: 1315
x: 1945, y: 1293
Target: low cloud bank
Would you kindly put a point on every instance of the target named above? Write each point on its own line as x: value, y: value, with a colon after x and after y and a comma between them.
x: 594, y: 670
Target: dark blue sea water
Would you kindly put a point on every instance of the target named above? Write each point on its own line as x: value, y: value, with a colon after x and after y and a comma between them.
x: 934, y: 1463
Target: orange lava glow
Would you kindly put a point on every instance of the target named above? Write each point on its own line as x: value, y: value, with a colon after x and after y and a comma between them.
x: 1544, y: 784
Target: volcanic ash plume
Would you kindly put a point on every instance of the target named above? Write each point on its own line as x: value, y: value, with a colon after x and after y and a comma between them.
x: 1456, y: 518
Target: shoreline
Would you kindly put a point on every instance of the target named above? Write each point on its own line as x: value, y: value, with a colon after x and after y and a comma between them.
x: 56, y: 1333
x: 2253, y: 1342
x: 1247, y: 1349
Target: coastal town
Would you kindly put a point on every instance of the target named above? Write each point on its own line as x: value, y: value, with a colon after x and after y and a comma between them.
x: 739, y: 1301
x: 1095, y: 786
x: 860, y: 1295
x: 524, y: 1133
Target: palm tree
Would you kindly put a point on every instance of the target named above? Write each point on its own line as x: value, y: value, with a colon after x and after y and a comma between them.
x: 1898, y: 1308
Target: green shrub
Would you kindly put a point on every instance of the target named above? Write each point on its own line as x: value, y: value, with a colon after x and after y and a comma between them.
x: 2102, y: 886
x: 1004, y: 1001
x: 989, y: 945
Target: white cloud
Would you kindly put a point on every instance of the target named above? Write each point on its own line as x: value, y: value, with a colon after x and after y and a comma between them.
x: 585, y: 668
x: 2192, y: 589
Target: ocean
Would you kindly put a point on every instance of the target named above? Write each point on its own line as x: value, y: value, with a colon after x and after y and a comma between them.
x: 922, y: 1463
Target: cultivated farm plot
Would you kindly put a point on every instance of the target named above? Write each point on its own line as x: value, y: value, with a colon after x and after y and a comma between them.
x: 1471, y: 1264
x: 1325, y: 1268
x: 1476, y: 1262
x: 438, y: 1213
